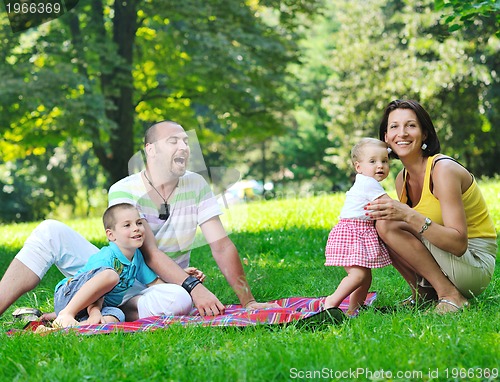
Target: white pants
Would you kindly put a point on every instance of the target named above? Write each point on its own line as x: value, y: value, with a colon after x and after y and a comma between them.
x: 54, y: 243
x: 163, y: 299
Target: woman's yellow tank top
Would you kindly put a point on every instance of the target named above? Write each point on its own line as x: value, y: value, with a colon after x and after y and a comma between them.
x: 479, y: 221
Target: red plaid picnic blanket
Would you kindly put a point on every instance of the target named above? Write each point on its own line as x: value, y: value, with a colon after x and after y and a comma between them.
x: 291, y: 309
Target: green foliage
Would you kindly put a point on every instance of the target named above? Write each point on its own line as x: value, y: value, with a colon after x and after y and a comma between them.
x: 283, y: 244
x: 113, y: 67
x: 279, y: 89
x: 390, y: 49
x: 63, y: 180
x: 28, y: 194
x: 296, y: 159
x: 459, y: 13
x: 106, y: 70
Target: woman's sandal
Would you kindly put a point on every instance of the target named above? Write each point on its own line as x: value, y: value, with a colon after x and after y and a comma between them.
x: 454, y: 307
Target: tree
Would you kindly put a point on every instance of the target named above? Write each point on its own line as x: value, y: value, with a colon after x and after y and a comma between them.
x: 394, y: 49
x: 30, y: 188
x: 106, y: 69
x: 459, y: 13
x: 297, y: 157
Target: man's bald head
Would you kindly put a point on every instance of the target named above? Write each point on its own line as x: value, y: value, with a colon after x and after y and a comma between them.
x: 151, y: 135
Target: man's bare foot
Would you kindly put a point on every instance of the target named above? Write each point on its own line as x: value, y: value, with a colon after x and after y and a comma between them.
x: 254, y: 305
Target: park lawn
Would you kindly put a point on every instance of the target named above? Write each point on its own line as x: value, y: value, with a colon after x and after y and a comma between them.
x: 281, y: 243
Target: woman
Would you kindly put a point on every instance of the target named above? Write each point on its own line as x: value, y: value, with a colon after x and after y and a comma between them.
x: 440, y: 236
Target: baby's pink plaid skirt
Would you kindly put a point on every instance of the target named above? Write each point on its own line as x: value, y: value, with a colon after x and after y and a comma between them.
x: 355, y: 242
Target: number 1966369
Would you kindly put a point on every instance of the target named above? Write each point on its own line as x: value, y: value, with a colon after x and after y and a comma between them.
x: 41, y: 8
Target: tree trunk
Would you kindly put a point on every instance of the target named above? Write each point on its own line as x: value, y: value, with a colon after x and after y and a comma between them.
x: 120, y: 88
x: 263, y: 162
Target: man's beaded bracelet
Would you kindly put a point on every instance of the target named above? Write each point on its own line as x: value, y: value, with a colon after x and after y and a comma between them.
x: 190, y: 283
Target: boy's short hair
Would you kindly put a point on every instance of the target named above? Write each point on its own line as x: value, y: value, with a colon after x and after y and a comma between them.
x: 357, y: 149
x: 109, y: 218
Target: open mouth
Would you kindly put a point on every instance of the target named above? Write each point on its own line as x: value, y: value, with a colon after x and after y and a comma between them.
x: 180, y: 161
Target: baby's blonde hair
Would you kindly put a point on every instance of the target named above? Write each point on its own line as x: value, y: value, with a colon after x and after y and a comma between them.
x: 357, y: 149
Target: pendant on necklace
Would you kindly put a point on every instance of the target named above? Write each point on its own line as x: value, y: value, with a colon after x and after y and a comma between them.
x: 164, y: 211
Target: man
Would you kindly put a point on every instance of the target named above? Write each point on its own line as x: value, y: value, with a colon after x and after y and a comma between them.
x: 173, y: 202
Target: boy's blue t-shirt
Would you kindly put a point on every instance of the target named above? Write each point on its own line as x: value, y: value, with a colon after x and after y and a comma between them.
x: 111, y: 257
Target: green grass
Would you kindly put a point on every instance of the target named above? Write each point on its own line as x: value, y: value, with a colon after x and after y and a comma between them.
x: 282, y: 242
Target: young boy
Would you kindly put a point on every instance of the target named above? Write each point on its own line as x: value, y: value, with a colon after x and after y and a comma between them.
x: 93, y: 295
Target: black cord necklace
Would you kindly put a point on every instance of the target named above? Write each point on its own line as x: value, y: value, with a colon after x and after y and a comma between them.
x: 165, y: 207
